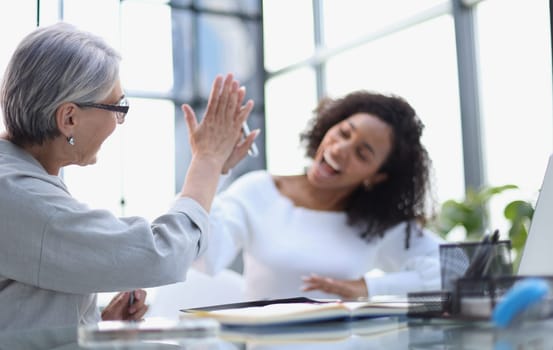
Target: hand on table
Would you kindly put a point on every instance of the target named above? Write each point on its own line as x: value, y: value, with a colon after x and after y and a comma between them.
x: 345, y: 289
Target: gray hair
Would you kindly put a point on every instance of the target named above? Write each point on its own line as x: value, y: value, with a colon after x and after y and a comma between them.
x: 53, y: 65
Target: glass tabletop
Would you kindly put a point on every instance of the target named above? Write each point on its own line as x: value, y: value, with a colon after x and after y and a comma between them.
x: 382, y: 333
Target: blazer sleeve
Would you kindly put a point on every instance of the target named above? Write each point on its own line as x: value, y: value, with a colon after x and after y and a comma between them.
x: 84, y: 250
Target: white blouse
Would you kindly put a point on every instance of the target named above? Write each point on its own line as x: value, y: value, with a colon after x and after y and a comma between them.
x: 282, y: 242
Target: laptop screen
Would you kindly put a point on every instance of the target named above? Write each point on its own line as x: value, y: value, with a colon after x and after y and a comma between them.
x: 537, y: 255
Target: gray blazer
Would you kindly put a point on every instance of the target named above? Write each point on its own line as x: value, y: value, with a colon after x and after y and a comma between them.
x: 56, y: 252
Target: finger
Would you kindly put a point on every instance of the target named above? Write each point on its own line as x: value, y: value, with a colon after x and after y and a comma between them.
x: 312, y: 285
x: 140, y: 295
x: 139, y: 301
x: 190, y: 118
x: 228, y: 85
x: 243, y: 146
x: 139, y: 314
x: 114, y: 311
x: 233, y: 104
x: 247, y: 142
x: 245, y: 111
x: 325, y: 284
x: 214, y: 95
x: 124, y: 301
x: 319, y: 286
x: 252, y: 136
x: 116, y: 299
x: 313, y: 278
x: 240, y: 150
x: 136, y: 307
x: 241, y: 96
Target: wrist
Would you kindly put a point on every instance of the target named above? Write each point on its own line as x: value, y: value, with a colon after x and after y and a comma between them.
x: 201, y: 180
x: 208, y: 161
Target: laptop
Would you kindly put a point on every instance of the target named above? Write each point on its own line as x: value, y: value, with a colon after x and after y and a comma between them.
x: 537, y: 254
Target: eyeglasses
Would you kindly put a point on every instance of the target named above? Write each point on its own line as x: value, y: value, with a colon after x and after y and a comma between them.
x: 120, y: 109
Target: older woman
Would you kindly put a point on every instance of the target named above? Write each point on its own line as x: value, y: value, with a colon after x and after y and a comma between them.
x: 360, y: 206
x: 61, y: 98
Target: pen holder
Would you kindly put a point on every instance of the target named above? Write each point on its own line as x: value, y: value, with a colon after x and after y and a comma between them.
x: 472, y: 261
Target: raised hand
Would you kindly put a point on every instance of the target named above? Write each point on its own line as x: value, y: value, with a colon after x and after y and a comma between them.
x: 219, y: 131
x: 215, y: 141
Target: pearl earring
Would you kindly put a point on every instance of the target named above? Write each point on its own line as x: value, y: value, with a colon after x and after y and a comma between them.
x: 71, y: 140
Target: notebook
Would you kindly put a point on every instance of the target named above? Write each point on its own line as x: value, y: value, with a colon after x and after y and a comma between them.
x: 272, y: 312
x: 537, y: 254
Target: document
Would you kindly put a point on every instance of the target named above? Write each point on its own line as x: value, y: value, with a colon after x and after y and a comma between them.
x: 296, y: 310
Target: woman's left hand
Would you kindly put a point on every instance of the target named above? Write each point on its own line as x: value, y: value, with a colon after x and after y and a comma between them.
x: 244, y: 143
x: 240, y: 151
x: 119, y: 308
x: 346, y: 289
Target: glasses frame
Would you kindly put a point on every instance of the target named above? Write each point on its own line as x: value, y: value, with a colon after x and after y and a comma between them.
x: 120, y: 109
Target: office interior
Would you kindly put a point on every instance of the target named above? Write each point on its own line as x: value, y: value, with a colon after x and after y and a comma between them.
x: 478, y: 72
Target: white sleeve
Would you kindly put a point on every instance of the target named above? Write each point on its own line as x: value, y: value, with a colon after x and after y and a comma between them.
x: 228, y: 231
x: 406, y: 270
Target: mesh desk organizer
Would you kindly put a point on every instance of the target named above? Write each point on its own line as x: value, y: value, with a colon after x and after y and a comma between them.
x: 475, y: 276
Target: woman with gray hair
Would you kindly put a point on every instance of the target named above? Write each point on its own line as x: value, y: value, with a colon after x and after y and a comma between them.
x: 61, y: 98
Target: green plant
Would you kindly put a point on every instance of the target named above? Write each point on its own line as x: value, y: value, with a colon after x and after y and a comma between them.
x: 472, y: 214
x: 519, y: 213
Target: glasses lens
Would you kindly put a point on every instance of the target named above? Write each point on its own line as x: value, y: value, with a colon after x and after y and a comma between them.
x: 121, y: 115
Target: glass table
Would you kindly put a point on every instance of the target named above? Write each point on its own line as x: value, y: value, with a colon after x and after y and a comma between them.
x: 389, y: 333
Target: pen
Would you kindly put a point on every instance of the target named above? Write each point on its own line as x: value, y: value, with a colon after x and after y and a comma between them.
x: 491, y: 255
x: 131, y: 298
x: 495, y: 236
x: 253, y: 148
x: 479, y: 259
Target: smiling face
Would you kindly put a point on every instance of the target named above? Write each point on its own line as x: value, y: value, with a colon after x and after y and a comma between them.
x: 351, y: 153
x: 94, y: 126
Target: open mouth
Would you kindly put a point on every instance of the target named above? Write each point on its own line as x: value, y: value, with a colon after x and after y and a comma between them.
x: 329, y: 164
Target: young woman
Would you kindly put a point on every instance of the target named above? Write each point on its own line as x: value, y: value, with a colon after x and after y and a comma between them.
x: 360, y: 206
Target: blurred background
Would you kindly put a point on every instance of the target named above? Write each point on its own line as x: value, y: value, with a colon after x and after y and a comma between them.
x: 478, y: 73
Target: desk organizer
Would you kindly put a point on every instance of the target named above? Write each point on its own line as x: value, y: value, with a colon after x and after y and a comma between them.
x: 465, y: 264
x: 474, y: 260
x: 466, y: 270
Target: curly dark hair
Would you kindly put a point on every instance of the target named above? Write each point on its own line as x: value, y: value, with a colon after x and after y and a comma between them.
x: 403, y: 196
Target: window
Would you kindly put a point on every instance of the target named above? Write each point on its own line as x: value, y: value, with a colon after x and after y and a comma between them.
x: 171, y: 52
x: 408, y: 48
x: 290, y: 101
x: 515, y: 61
x: 418, y: 64
x: 17, y: 18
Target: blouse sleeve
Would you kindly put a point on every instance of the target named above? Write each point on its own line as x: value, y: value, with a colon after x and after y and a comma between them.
x: 406, y: 270
x: 228, y: 230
